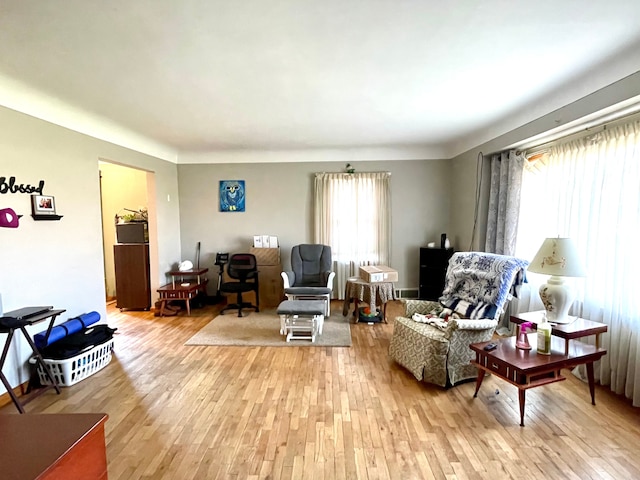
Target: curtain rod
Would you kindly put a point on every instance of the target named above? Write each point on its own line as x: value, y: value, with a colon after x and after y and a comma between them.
x: 349, y: 174
x: 582, y: 128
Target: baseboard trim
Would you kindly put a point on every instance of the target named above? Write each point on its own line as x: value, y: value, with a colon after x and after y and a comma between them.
x: 5, y: 398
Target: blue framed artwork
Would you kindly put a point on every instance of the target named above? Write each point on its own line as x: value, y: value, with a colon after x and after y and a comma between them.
x: 232, y: 195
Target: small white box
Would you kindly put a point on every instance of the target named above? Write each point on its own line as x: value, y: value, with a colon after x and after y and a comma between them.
x: 265, y: 241
x: 273, y: 242
x: 257, y: 241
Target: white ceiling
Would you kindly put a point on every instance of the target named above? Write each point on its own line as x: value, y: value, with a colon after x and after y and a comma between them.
x: 186, y: 77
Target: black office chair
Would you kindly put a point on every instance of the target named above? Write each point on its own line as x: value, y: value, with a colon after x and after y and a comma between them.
x: 242, y: 267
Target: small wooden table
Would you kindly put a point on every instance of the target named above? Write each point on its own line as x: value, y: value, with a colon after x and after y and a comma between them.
x: 578, y: 328
x: 184, y: 292
x: 527, y: 369
x: 373, y: 293
x: 53, y: 446
x: 198, y: 273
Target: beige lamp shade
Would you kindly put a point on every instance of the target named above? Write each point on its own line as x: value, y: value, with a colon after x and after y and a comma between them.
x: 557, y: 256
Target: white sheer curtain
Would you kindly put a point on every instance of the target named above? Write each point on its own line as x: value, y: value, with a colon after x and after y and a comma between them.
x: 589, y: 190
x: 353, y: 216
x: 504, y: 202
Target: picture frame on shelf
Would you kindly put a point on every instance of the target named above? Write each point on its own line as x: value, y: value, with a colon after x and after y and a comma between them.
x: 43, y: 205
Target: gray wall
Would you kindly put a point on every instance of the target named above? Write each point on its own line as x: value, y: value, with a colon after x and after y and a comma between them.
x: 60, y: 263
x: 279, y: 201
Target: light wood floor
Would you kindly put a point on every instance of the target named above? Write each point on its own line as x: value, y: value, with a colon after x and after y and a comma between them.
x: 185, y: 412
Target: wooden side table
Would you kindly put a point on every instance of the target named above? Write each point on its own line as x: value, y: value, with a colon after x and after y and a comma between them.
x: 182, y: 275
x: 373, y: 293
x: 182, y: 292
x: 185, y: 285
x: 527, y: 369
x: 579, y: 328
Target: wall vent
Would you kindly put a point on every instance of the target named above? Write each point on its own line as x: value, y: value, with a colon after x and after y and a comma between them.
x: 410, y: 293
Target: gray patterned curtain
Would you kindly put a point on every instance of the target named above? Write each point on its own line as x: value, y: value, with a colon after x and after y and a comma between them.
x: 504, y: 202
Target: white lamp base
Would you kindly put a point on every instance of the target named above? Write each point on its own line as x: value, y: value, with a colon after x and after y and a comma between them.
x: 557, y: 298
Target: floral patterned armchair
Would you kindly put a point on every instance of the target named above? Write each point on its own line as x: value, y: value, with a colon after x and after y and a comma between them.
x: 477, y: 287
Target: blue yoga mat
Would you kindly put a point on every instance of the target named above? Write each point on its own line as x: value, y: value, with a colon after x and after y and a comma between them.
x: 72, y: 325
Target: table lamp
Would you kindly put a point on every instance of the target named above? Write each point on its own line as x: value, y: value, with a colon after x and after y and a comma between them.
x: 557, y: 257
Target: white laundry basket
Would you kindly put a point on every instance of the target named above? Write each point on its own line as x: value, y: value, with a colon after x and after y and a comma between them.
x: 70, y: 371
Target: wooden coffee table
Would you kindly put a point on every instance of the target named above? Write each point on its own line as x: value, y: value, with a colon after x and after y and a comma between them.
x: 527, y: 369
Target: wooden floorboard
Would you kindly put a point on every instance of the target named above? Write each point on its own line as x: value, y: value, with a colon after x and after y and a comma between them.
x: 196, y: 412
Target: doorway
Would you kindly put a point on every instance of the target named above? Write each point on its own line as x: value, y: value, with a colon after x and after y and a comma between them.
x: 124, y: 191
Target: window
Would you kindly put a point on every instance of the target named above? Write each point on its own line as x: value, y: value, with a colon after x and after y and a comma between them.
x: 589, y: 190
x: 352, y: 213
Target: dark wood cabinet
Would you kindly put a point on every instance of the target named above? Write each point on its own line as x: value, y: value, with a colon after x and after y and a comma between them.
x: 433, y: 267
x: 133, y: 288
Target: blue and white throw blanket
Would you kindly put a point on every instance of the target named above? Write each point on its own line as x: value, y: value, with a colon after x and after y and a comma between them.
x: 478, y: 284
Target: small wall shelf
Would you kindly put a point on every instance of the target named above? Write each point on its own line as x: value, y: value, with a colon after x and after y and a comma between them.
x: 46, y: 217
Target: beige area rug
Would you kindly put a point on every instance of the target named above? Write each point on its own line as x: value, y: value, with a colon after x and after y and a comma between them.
x: 263, y: 329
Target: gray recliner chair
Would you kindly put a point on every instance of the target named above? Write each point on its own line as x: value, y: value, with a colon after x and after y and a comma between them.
x: 310, y: 276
